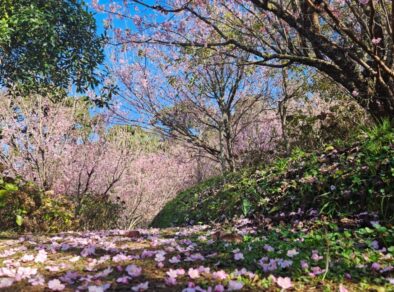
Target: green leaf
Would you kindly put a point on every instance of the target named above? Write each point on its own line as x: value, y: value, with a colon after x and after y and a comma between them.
x: 19, y: 220
x: 3, y: 193
x: 246, y: 207
x: 10, y: 187
x: 329, y: 148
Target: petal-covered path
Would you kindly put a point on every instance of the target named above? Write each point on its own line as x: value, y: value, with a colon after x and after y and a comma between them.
x: 202, y: 258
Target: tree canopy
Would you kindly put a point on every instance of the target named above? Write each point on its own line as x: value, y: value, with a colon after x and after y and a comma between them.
x: 48, y: 44
x: 349, y: 41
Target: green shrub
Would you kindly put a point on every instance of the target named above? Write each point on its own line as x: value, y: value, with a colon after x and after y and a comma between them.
x: 98, y: 213
x: 23, y: 207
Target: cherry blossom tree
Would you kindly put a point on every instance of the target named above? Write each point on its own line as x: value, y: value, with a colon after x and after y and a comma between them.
x: 60, y: 146
x: 196, y: 97
x: 64, y: 148
x: 35, y: 135
x: 154, y: 178
x: 349, y: 41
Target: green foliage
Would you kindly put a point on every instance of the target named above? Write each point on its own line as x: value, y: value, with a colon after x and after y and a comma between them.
x: 332, y: 117
x: 98, y: 213
x: 337, y: 181
x: 56, y: 214
x: 48, y: 44
x: 345, y: 250
x: 135, y: 137
x: 23, y: 207
x: 196, y: 205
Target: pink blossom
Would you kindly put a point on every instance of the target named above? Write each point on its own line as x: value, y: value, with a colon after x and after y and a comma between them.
x: 160, y: 256
x: 141, y: 287
x: 41, y: 257
x: 23, y: 273
x: 174, y: 260
x: 219, y: 275
x: 375, y: 266
x: 234, y: 285
x: 120, y: 258
x: 284, y: 283
x: 99, y: 288
x: 304, y: 265
x: 292, y: 252
x: 193, y: 273
x: 74, y: 259
x: 39, y: 280
x: 342, y: 288
x: 172, y: 273
x: 238, y: 256
x: 376, y: 41
x: 56, y: 285
x: 203, y: 269
x: 52, y: 268
x: 27, y: 258
x: 219, y: 288
x: 6, y: 282
x: 104, y: 259
x: 363, y: 2
x: 133, y: 270
x: 123, y: 280
x: 170, y: 281
x: 316, y: 271
x: 7, y: 253
x: 315, y: 256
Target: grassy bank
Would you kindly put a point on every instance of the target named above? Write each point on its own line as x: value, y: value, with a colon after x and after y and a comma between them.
x: 340, y: 180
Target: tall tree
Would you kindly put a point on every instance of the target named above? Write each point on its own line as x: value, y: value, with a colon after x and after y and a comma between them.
x: 349, y: 41
x: 49, y: 43
x: 199, y: 99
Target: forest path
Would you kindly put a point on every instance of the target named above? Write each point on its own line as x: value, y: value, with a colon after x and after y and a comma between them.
x: 198, y: 258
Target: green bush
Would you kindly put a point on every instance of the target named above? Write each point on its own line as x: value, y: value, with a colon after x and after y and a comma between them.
x: 337, y: 181
x: 97, y: 213
x: 23, y: 207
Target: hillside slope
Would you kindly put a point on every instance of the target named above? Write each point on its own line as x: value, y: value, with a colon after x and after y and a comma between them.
x: 337, y: 181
